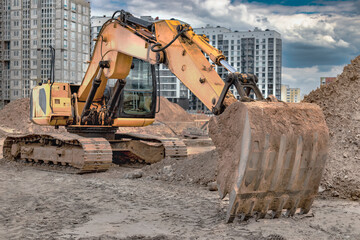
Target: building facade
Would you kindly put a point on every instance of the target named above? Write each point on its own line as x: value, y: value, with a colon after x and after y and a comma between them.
x: 289, y: 94
x: 327, y: 80
x: 257, y: 52
x: 27, y: 29
x: 96, y: 23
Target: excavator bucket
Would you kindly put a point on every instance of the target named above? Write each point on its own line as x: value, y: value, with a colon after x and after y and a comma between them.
x: 272, y: 156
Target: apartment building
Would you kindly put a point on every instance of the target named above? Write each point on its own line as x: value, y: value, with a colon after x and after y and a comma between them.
x: 96, y: 23
x: 257, y: 52
x: 289, y: 94
x: 327, y: 80
x: 27, y: 29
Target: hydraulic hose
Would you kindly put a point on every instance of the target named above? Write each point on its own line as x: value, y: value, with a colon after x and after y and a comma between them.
x: 167, y: 45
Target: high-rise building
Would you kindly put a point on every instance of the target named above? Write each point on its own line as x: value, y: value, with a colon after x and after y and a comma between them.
x: 257, y: 52
x: 289, y: 94
x: 96, y: 24
x: 27, y: 29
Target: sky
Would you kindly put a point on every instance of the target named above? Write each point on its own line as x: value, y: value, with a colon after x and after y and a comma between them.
x: 319, y: 37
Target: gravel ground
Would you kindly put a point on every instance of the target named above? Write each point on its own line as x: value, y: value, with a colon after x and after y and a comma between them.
x: 38, y: 204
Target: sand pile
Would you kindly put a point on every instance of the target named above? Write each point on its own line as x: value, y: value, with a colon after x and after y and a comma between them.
x: 172, y: 112
x: 340, y: 102
x: 14, y: 117
x: 199, y: 169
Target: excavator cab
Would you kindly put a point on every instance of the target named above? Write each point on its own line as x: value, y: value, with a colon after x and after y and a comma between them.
x: 139, y: 95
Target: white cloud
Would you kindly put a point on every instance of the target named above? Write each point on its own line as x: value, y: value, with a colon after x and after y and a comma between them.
x: 307, y: 79
x: 330, y: 28
x: 317, y: 28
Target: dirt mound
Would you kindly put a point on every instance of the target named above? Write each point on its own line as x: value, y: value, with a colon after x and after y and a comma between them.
x: 172, y: 112
x: 198, y: 168
x: 14, y: 117
x: 340, y: 102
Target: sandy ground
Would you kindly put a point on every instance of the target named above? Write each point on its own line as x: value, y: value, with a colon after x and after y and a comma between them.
x: 37, y: 204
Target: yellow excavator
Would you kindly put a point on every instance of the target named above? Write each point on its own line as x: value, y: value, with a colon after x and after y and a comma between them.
x: 266, y: 165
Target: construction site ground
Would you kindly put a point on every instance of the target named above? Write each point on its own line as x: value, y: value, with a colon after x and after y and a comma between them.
x: 49, y: 205
x: 171, y: 199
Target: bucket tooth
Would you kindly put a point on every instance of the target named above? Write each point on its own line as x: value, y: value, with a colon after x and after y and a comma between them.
x: 266, y: 205
x: 272, y: 156
x: 232, y: 209
x: 291, y: 211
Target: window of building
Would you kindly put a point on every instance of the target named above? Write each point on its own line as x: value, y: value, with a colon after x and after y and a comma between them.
x: 65, y: 24
x: 65, y: 33
x: 73, y: 6
x: 65, y: 14
x: 66, y: 3
x: 16, y: 63
x: 65, y: 43
x: 73, y: 35
x: 73, y: 16
x: 72, y: 45
x: 73, y: 26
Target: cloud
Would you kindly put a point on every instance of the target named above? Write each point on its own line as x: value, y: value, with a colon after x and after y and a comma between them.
x: 308, y: 78
x: 325, y: 33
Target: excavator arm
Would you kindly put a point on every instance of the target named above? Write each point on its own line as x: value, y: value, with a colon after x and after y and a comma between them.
x: 168, y: 42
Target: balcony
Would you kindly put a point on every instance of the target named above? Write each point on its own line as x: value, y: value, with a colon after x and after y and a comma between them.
x: 6, y: 55
x: 6, y: 74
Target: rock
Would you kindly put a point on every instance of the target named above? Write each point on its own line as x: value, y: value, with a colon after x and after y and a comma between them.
x: 133, y: 174
x: 168, y: 171
x: 335, y: 194
x: 321, y: 189
x: 212, y: 186
x: 345, y: 155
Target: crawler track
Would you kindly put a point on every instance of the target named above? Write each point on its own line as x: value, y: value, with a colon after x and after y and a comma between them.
x: 81, y: 155
x: 72, y: 153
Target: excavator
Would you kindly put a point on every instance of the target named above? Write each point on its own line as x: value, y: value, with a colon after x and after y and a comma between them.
x: 266, y: 167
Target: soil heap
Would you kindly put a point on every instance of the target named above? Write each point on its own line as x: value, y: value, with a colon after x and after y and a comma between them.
x: 340, y: 102
x: 14, y: 118
x: 196, y: 169
x: 172, y: 112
